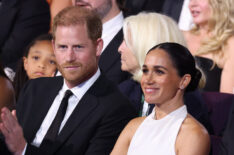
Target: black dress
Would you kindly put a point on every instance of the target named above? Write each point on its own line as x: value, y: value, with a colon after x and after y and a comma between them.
x: 212, y: 73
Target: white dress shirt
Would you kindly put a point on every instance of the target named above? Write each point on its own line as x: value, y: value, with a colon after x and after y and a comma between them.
x: 186, y: 20
x: 73, y: 101
x: 145, y: 109
x: 111, y: 28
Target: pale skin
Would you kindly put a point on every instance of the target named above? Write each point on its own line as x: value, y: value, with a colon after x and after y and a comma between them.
x: 194, y: 42
x: 192, y: 139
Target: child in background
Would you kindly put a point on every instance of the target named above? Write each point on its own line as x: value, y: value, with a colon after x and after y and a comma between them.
x: 38, y: 61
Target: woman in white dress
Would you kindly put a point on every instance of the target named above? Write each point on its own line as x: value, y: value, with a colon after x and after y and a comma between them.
x: 168, y: 72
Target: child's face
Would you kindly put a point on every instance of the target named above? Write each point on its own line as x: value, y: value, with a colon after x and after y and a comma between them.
x: 40, y: 61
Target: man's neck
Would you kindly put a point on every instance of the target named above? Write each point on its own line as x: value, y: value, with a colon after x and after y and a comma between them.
x: 113, y: 12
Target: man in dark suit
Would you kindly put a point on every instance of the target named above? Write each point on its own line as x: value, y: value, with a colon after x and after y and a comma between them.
x: 96, y: 111
x: 21, y: 21
x: 112, y: 20
x: 173, y: 8
x: 136, y: 6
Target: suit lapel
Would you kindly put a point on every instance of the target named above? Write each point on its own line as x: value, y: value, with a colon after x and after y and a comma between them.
x: 41, y: 106
x: 110, y: 55
x: 85, y: 107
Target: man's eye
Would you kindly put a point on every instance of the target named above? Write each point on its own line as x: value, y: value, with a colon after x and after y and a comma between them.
x: 78, y: 47
x: 62, y: 47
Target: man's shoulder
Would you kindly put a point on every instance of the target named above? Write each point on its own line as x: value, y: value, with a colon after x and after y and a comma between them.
x: 103, y: 86
x: 49, y: 80
x: 44, y: 83
x: 109, y: 94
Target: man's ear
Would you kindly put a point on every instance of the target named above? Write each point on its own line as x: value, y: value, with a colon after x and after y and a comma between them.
x: 185, y: 81
x: 99, y: 47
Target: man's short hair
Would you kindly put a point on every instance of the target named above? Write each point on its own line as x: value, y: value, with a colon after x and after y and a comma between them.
x: 74, y: 15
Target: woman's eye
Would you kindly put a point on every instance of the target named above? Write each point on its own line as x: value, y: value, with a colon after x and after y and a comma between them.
x: 52, y: 62
x: 144, y: 70
x: 159, y: 72
x: 35, y: 57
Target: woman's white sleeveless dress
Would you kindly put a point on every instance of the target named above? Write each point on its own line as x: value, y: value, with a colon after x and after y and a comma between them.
x: 157, y: 137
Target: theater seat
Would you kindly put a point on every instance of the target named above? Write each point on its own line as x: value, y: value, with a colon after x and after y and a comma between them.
x: 219, y: 105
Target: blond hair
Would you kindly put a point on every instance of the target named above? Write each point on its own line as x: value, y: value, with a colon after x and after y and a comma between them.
x: 145, y: 30
x: 221, y: 28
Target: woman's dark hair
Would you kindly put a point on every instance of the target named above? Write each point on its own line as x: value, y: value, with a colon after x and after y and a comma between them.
x: 183, y: 61
x: 21, y: 76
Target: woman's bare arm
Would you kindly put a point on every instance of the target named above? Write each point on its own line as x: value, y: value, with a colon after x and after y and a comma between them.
x: 122, y: 144
x: 193, y: 139
x: 227, y: 77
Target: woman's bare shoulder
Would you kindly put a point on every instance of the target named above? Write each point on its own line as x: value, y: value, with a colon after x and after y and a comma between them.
x: 123, y: 142
x: 135, y: 123
x: 193, y: 138
x: 230, y: 47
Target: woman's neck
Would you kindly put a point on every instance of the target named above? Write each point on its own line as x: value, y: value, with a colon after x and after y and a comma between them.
x: 204, y: 30
x: 163, y: 109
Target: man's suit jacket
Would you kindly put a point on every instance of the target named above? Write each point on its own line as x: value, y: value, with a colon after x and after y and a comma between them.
x: 21, y: 22
x: 92, y: 128
x: 136, y: 6
x: 109, y: 61
x: 132, y: 89
x: 173, y: 8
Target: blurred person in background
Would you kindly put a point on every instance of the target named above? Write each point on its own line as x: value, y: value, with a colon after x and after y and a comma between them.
x: 211, y: 41
x: 38, y: 61
x: 21, y: 21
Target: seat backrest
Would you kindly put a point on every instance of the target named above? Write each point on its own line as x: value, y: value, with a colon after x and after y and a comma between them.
x: 219, y: 105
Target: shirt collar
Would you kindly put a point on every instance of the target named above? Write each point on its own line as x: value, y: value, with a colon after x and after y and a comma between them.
x: 82, y: 88
x: 117, y: 21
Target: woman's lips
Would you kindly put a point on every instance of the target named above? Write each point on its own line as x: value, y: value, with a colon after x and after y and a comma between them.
x: 151, y: 90
x: 195, y: 13
x: 39, y: 73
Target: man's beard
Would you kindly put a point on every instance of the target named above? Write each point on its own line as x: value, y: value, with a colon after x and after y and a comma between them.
x: 103, y: 10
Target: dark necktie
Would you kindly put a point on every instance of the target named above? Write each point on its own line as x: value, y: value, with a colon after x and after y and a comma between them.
x: 54, y: 127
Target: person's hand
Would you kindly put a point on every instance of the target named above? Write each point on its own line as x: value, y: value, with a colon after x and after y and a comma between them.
x: 12, y: 131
